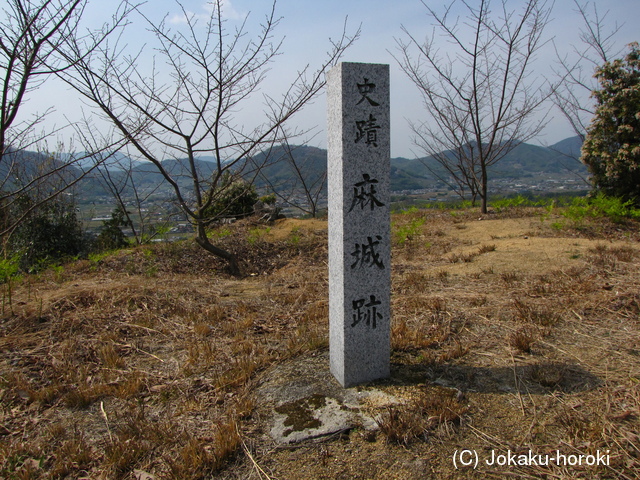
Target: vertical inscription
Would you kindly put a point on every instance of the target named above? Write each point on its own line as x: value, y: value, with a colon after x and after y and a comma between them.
x: 364, y: 193
x: 359, y: 225
x: 368, y: 254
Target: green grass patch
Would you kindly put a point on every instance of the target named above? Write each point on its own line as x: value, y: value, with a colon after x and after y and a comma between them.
x: 600, y: 206
x: 9, y: 268
x: 407, y: 232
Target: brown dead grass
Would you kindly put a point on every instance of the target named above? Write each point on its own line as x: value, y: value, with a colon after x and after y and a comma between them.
x: 146, y: 362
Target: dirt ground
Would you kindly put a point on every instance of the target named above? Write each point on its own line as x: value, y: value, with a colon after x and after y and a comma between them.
x: 514, y: 341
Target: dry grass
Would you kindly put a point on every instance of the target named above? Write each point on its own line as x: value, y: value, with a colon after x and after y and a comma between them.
x: 432, y: 412
x: 506, y: 334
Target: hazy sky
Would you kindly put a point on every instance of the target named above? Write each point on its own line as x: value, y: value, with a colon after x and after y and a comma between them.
x: 307, y: 26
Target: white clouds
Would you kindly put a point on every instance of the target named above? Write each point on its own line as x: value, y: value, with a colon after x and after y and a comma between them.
x: 227, y: 12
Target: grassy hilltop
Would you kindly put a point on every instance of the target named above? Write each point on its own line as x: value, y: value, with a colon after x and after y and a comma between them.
x: 514, y: 331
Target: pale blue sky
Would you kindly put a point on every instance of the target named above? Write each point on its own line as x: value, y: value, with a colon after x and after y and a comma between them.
x: 307, y: 26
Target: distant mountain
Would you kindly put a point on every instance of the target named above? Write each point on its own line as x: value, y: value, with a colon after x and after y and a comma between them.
x: 410, y: 175
x: 86, y: 161
x: 145, y: 176
x: 21, y: 167
x: 526, y: 160
x: 147, y: 173
x: 569, y: 147
x: 277, y: 169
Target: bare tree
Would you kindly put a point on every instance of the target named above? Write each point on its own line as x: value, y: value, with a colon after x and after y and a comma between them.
x: 577, y: 68
x: 118, y: 176
x: 479, y: 91
x: 38, y: 39
x: 186, y: 108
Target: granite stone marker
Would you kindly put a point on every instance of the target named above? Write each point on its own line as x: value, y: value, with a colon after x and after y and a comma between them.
x: 358, y: 146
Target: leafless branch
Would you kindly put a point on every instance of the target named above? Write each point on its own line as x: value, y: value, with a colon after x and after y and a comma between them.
x: 188, y: 110
x: 37, y: 40
x: 576, y: 69
x: 481, y: 96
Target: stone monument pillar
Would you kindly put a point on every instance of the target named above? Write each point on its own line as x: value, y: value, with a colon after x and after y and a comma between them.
x: 359, y: 222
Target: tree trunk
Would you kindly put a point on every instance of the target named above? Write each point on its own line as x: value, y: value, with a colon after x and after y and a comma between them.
x: 204, y: 242
x: 483, y: 186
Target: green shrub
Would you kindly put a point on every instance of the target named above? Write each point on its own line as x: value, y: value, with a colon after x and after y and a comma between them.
x: 47, y: 233
x: 600, y: 206
x: 512, y: 202
x: 614, y: 208
x: 233, y: 198
x: 269, y: 199
x: 611, y: 148
x: 9, y: 268
x: 111, y: 236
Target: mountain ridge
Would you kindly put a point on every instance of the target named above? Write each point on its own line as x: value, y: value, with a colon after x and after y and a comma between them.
x: 525, y: 161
